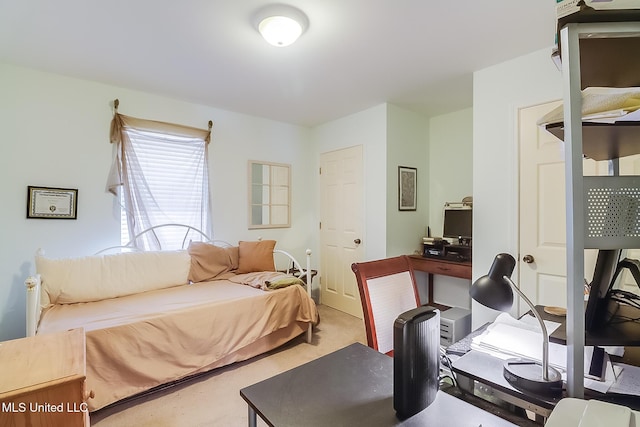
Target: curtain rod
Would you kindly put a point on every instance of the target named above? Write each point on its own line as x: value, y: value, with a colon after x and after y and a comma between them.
x: 116, y: 103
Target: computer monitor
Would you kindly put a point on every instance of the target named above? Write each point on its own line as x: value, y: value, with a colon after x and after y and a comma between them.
x: 600, y: 305
x: 612, y: 313
x: 458, y: 222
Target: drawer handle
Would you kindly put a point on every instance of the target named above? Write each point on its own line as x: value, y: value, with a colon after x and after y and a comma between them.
x: 89, y: 395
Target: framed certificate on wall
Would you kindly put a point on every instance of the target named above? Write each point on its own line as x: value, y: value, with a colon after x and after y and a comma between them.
x: 52, y: 203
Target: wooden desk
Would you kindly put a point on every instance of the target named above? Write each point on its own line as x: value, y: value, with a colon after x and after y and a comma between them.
x: 444, y: 267
x: 350, y: 387
x: 42, y: 380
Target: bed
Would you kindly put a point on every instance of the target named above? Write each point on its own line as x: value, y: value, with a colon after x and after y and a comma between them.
x: 155, y: 317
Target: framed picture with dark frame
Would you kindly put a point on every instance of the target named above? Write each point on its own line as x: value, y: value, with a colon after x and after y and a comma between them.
x: 407, y: 188
x: 52, y: 203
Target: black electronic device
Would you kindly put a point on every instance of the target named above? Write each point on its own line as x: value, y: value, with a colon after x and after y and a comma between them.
x: 458, y: 253
x: 611, y: 314
x: 604, y: 297
x: 416, y: 360
x: 458, y: 223
x: 433, y: 247
x: 442, y: 249
x: 600, y: 307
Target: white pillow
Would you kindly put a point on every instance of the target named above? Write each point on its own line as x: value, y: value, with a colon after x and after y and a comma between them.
x: 93, y: 278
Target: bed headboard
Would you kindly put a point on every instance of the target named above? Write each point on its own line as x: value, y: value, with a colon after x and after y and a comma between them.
x: 160, y: 234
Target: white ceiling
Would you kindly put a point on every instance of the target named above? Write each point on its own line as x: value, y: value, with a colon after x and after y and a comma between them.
x: 418, y: 54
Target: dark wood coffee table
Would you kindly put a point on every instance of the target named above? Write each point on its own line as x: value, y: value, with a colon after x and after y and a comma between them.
x: 350, y: 387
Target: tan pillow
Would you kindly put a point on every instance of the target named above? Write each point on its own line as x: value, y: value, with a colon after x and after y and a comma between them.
x: 256, y: 256
x: 208, y: 261
x: 234, y: 253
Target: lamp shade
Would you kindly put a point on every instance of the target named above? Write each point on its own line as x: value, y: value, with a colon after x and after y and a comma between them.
x: 492, y: 290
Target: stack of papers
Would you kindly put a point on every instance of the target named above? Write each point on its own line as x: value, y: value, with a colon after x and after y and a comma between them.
x: 628, y: 382
x: 602, y: 105
x: 507, y: 338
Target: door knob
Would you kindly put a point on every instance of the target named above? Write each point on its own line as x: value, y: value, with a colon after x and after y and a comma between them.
x: 357, y: 241
x: 528, y: 259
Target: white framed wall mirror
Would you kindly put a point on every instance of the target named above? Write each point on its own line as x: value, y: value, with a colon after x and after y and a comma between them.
x: 269, y: 195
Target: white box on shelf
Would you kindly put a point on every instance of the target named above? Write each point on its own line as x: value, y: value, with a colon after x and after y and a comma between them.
x: 567, y: 7
x: 455, y: 324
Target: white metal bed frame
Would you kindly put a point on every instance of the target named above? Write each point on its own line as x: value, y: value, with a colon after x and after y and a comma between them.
x: 33, y: 283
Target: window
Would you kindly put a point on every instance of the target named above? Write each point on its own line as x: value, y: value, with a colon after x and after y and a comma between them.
x: 164, y: 179
x: 269, y: 192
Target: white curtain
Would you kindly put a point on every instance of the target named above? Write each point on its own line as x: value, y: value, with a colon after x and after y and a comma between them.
x: 162, y: 171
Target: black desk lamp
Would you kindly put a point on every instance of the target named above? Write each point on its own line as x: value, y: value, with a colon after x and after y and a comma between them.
x: 495, y: 291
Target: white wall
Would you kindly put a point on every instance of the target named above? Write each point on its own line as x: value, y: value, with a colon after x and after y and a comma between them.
x: 369, y: 129
x: 55, y: 133
x: 450, y: 163
x: 498, y: 92
x: 450, y: 180
x: 390, y: 136
x: 407, y: 145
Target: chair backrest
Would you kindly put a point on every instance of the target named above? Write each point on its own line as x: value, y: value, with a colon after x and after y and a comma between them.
x: 387, y: 289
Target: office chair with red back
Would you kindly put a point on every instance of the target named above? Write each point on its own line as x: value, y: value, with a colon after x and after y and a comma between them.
x: 387, y: 289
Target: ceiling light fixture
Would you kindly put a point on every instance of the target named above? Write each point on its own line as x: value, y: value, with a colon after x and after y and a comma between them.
x: 281, y: 25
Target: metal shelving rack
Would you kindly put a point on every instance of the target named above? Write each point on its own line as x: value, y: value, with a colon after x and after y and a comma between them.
x: 602, y: 43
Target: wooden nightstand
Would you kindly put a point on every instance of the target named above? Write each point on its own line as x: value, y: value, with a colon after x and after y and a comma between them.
x: 42, y: 380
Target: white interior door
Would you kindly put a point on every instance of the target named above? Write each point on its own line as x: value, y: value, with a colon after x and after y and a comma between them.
x: 543, y: 262
x: 341, y: 216
x: 542, y: 211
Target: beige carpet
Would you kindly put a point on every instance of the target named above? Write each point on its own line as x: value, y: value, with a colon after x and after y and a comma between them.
x: 213, y: 399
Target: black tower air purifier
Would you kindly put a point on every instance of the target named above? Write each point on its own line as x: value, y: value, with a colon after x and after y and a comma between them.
x: 416, y: 363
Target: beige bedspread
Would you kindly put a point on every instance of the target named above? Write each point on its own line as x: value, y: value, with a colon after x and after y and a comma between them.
x: 140, y: 341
